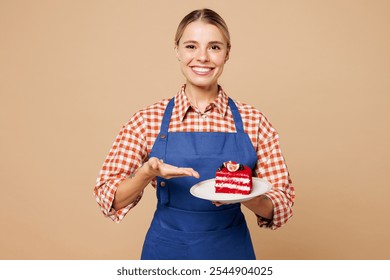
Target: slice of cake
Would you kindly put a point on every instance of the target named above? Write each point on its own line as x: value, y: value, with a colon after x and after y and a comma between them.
x: 233, y: 177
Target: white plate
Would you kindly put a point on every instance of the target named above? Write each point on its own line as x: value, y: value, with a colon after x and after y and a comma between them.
x: 206, y: 190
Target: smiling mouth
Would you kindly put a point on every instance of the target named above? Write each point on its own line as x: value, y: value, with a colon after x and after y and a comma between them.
x: 201, y: 70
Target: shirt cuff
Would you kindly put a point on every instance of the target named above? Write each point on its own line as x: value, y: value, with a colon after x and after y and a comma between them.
x: 106, y: 199
x: 282, y: 211
x: 118, y: 215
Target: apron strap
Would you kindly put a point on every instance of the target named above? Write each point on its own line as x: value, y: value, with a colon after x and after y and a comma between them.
x: 167, y: 117
x: 159, y: 150
x: 160, y: 144
x: 236, y: 116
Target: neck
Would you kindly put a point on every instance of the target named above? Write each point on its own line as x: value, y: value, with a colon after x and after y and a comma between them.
x: 201, y: 96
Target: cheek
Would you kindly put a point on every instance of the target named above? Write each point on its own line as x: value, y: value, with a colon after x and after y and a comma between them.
x: 185, y: 57
x: 219, y: 59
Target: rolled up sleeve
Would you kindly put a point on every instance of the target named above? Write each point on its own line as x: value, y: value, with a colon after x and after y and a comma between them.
x: 272, y: 167
x: 126, y: 155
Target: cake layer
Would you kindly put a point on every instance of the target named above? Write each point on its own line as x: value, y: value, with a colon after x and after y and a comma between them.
x: 232, y: 186
x: 231, y: 190
x: 233, y: 180
x: 233, y: 174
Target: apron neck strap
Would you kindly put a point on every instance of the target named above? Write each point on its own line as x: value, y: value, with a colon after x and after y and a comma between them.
x: 168, y: 113
x: 167, y: 117
x: 236, y: 116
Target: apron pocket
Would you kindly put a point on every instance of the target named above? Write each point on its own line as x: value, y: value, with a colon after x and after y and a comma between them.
x: 156, y: 248
x: 230, y: 244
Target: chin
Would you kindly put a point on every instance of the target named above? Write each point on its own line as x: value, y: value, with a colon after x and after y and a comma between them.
x: 202, y: 82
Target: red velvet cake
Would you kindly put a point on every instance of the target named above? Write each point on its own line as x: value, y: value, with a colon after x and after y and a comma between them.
x: 233, y: 177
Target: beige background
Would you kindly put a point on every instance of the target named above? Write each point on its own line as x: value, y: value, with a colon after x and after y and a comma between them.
x: 72, y: 72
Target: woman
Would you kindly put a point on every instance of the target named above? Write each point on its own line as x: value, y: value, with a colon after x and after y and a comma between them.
x: 178, y: 142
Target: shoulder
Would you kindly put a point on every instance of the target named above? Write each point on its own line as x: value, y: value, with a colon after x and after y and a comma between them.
x: 249, y: 111
x: 154, y: 109
x: 253, y: 117
x: 148, y: 115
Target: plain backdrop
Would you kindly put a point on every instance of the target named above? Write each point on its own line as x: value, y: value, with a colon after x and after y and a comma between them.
x: 73, y: 72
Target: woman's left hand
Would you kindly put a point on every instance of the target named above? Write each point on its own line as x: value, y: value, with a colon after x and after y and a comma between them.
x: 158, y: 168
x: 218, y: 203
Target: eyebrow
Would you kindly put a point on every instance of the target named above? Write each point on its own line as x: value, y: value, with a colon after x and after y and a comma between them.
x: 210, y: 43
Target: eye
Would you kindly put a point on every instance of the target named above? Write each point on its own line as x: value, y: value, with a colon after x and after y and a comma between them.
x: 215, y: 47
x: 191, y: 47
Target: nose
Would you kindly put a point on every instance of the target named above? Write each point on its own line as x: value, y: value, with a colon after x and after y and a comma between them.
x: 203, y: 55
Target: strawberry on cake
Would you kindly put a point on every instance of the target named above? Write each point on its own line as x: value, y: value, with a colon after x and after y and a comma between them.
x: 234, y: 178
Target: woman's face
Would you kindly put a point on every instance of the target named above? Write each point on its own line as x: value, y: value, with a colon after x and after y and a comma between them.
x: 202, y: 52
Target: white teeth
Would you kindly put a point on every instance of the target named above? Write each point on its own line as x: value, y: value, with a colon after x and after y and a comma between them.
x: 201, y: 69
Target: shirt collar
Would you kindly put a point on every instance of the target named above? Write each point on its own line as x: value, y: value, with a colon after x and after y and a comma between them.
x: 183, y: 104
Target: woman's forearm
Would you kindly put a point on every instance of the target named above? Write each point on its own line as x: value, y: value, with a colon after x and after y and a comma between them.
x: 131, y: 187
x: 261, y: 206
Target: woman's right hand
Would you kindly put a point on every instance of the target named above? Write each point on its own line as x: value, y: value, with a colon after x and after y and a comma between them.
x: 156, y: 167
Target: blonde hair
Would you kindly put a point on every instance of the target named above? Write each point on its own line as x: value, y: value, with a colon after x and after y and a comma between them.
x: 207, y: 16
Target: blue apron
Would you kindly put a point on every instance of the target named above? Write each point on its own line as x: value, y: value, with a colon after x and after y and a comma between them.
x: 186, y: 227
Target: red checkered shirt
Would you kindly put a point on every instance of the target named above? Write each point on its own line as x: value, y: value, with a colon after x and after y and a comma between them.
x: 136, y: 138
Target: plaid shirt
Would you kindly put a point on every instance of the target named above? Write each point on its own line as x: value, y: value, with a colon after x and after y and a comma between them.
x: 136, y: 138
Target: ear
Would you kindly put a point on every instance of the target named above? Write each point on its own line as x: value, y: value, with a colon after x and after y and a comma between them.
x: 177, y: 52
x: 227, y: 56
